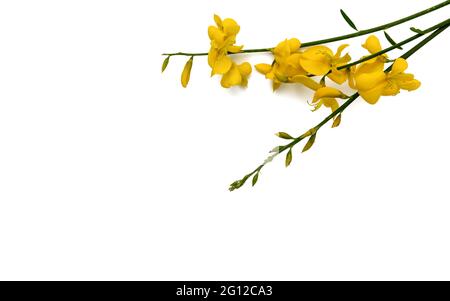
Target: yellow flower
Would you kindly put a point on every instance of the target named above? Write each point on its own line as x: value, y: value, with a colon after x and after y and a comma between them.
x: 223, y: 38
x: 306, y: 81
x: 376, y: 64
x: 371, y: 86
x: 237, y: 75
x: 373, y: 45
x: 286, y: 64
x: 326, y: 96
x: 269, y: 71
x: 320, y: 60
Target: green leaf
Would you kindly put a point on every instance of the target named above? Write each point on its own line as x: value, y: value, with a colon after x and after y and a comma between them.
x: 416, y: 30
x: 310, y: 143
x: 255, y: 179
x: 348, y: 20
x: 288, y: 158
x: 165, y: 63
x: 337, y: 121
x: 284, y: 135
x: 391, y: 40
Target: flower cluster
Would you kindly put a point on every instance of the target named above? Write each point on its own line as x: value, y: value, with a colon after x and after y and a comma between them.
x: 327, y: 73
x: 223, y: 38
x: 293, y: 65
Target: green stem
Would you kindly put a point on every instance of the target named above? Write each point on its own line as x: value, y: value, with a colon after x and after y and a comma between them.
x: 406, y: 41
x: 378, y: 28
x: 240, y: 183
x: 338, y: 38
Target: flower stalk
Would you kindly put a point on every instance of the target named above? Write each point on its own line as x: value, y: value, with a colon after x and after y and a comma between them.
x: 311, y: 68
x: 334, y: 39
x: 397, y: 45
x: 313, y: 131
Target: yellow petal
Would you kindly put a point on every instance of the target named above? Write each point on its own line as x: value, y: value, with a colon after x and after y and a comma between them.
x: 306, y: 81
x: 281, y: 77
x: 316, y: 60
x: 212, y: 56
x: 367, y: 81
x: 215, y: 34
x: 315, y: 67
x: 293, y: 60
x: 339, y: 50
x: 282, y: 49
x: 227, y: 42
x: 403, y: 77
x: 218, y: 21
x: 211, y: 31
x: 186, y: 74
x: 338, y: 76
x: 263, y: 68
x: 294, y: 45
x: 245, y: 69
x: 330, y: 103
x: 316, y: 52
x: 370, y: 67
x: 373, y: 95
x: 411, y: 85
x: 406, y: 81
x: 271, y: 75
x: 275, y: 85
x: 221, y: 65
x: 230, y: 27
x: 391, y: 88
x: 351, y: 77
x: 342, y: 60
x: 372, y: 44
x: 399, y: 66
x: 291, y: 65
x: 231, y: 78
x: 235, y: 49
x: 328, y: 92
x: 281, y: 67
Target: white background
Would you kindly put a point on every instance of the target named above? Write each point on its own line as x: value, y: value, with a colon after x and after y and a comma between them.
x: 110, y: 170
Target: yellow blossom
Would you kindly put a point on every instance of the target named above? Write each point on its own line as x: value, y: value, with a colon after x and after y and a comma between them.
x: 373, y: 45
x: 237, y: 75
x: 326, y: 96
x: 323, y: 95
x: 320, y: 60
x: 376, y: 64
x: 286, y: 64
x: 371, y: 86
x: 306, y: 81
x: 223, y: 38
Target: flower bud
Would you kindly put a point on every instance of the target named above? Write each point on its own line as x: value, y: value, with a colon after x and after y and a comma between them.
x: 165, y: 63
x: 186, y: 74
x: 284, y: 135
